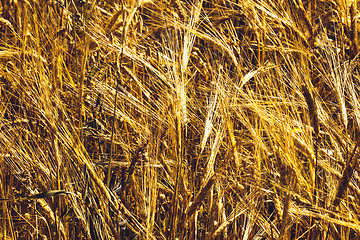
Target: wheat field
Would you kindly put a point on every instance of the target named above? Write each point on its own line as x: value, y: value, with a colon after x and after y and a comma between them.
x: 179, y: 119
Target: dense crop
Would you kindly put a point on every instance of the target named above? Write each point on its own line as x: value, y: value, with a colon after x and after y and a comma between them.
x: 168, y: 119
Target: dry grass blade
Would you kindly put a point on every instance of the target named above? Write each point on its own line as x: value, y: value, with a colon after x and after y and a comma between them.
x: 345, y: 178
x: 50, y: 193
x: 200, y: 197
x: 312, y: 109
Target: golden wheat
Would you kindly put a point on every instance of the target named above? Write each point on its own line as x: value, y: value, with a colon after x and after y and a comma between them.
x: 176, y: 119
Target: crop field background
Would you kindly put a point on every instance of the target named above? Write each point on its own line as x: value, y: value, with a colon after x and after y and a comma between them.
x: 179, y: 119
